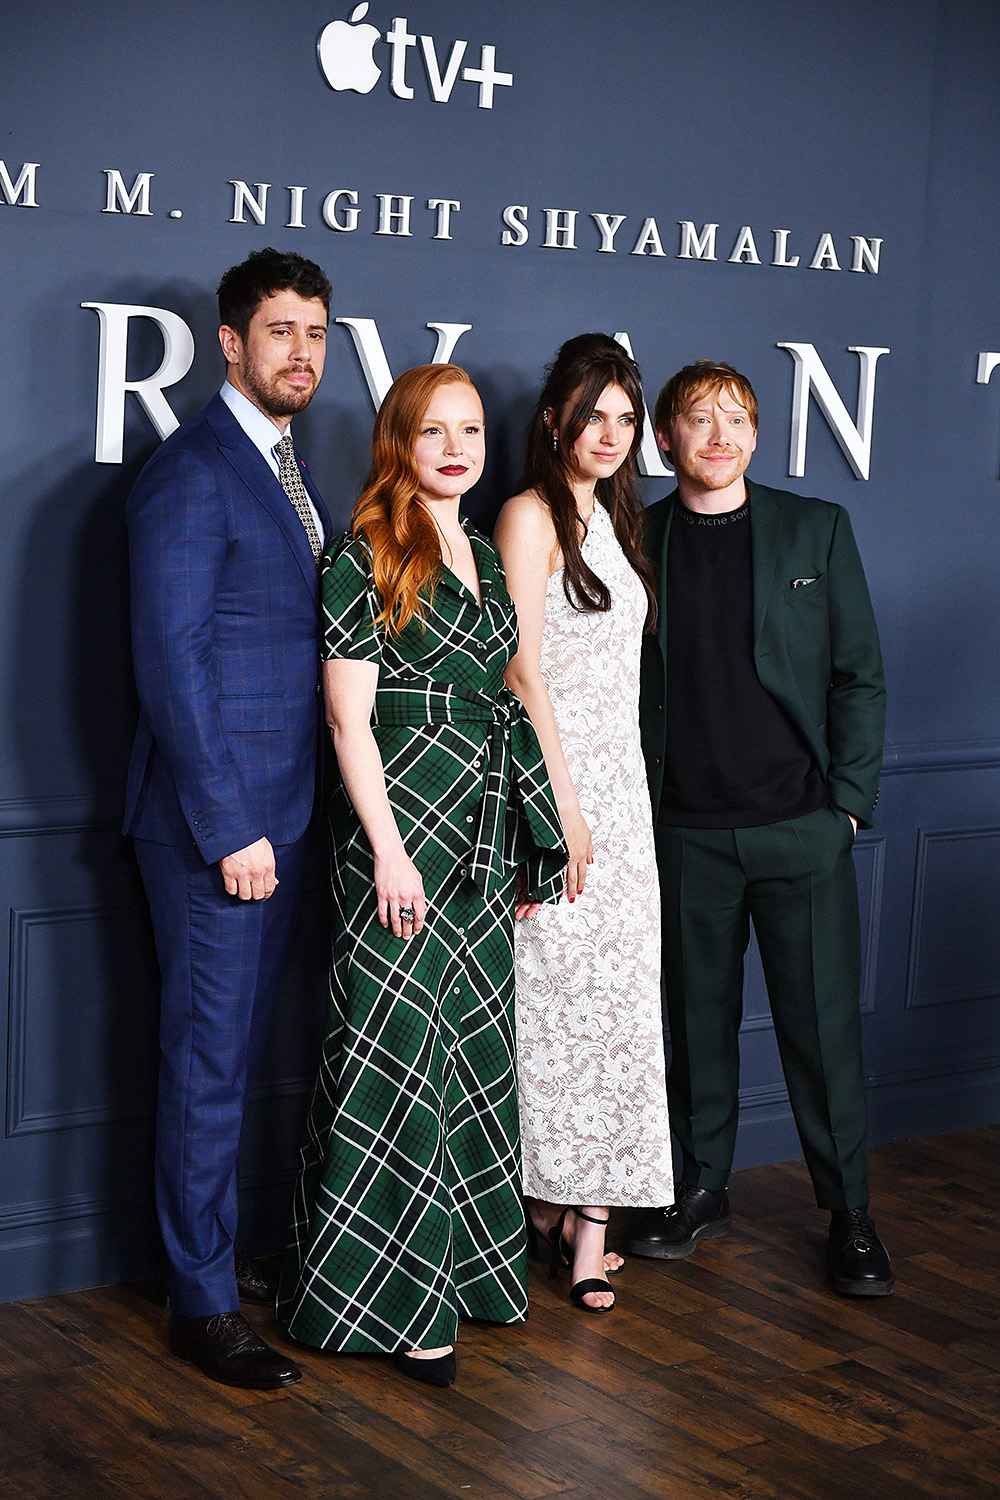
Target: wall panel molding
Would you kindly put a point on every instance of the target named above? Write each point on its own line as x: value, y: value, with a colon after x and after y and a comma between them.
x: 16, y: 1216
x: 763, y: 1096
x: 23, y: 816
x: 22, y: 1118
x: 932, y: 935
x: 963, y: 1067
x: 944, y: 755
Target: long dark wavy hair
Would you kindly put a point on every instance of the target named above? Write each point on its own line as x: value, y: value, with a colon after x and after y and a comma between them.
x: 583, y: 368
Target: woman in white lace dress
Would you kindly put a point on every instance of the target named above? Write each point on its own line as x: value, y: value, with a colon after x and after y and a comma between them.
x: 590, y: 1063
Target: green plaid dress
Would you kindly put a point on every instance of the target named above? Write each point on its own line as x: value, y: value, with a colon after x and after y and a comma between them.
x: 407, y: 1213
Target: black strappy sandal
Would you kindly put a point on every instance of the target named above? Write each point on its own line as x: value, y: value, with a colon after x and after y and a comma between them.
x: 537, y: 1246
x: 562, y: 1254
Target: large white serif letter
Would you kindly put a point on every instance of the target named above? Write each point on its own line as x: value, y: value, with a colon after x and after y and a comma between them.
x: 112, y: 386
x: 120, y: 201
x: 649, y: 459
x: 244, y: 198
x: 22, y: 191
x: 696, y: 246
x: 375, y: 367
x: 812, y: 378
x: 989, y: 360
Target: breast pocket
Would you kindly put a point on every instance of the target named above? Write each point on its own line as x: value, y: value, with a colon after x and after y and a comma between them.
x: 254, y: 714
x: 804, y: 586
x: 806, y: 627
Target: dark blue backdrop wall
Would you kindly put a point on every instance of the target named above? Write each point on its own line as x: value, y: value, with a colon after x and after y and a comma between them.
x: 799, y: 186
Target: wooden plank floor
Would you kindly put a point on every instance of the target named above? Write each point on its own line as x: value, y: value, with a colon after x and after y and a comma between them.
x: 735, y: 1373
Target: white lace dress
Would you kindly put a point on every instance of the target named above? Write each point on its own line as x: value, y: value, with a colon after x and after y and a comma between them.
x: 589, y: 1031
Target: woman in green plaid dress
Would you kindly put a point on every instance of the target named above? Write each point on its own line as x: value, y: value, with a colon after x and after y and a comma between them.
x: 407, y: 1212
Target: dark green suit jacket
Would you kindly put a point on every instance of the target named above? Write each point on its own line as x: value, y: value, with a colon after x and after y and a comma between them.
x: 815, y: 647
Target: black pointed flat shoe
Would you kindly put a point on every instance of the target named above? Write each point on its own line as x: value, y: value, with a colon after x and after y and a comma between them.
x: 440, y: 1371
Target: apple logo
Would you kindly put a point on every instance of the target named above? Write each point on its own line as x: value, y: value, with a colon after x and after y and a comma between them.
x: 345, y: 53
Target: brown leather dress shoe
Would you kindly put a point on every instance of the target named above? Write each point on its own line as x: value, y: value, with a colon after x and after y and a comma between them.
x: 253, y: 1283
x: 226, y: 1348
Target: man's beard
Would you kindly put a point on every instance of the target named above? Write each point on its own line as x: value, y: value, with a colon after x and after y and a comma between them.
x: 268, y: 395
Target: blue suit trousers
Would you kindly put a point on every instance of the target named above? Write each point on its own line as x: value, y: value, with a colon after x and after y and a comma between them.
x: 221, y: 961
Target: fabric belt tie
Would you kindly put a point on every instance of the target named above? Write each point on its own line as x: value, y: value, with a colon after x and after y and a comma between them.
x: 515, y: 781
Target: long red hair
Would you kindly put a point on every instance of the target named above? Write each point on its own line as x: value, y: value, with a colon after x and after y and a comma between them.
x: 397, y: 530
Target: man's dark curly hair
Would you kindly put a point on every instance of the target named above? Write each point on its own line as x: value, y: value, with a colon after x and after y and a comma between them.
x: 264, y: 272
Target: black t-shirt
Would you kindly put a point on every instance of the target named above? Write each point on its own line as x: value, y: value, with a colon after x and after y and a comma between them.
x: 734, y: 758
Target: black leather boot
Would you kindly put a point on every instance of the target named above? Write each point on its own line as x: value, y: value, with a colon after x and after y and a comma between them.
x: 672, y: 1233
x: 856, y: 1258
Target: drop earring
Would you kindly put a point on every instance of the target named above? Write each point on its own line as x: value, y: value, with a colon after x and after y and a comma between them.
x: 555, y: 441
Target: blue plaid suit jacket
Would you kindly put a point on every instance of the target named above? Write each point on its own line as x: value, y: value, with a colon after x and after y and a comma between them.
x: 224, y: 636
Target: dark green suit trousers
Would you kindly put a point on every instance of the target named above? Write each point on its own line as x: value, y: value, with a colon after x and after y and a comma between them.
x: 796, y: 881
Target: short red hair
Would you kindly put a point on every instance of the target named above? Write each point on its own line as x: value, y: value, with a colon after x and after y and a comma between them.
x: 705, y: 376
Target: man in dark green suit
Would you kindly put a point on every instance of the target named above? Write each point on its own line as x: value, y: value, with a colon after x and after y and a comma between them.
x: 763, y: 715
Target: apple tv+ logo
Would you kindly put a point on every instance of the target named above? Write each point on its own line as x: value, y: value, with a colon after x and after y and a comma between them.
x: 346, y: 55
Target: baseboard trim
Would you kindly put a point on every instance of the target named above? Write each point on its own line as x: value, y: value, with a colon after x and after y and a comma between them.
x: 902, y: 1105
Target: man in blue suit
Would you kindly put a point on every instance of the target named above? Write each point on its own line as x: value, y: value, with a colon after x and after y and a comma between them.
x: 225, y: 530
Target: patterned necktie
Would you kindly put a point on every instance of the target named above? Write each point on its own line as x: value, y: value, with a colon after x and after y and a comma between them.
x: 291, y: 483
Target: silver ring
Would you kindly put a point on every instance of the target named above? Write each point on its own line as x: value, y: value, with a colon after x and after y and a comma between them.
x: 406, y: 913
